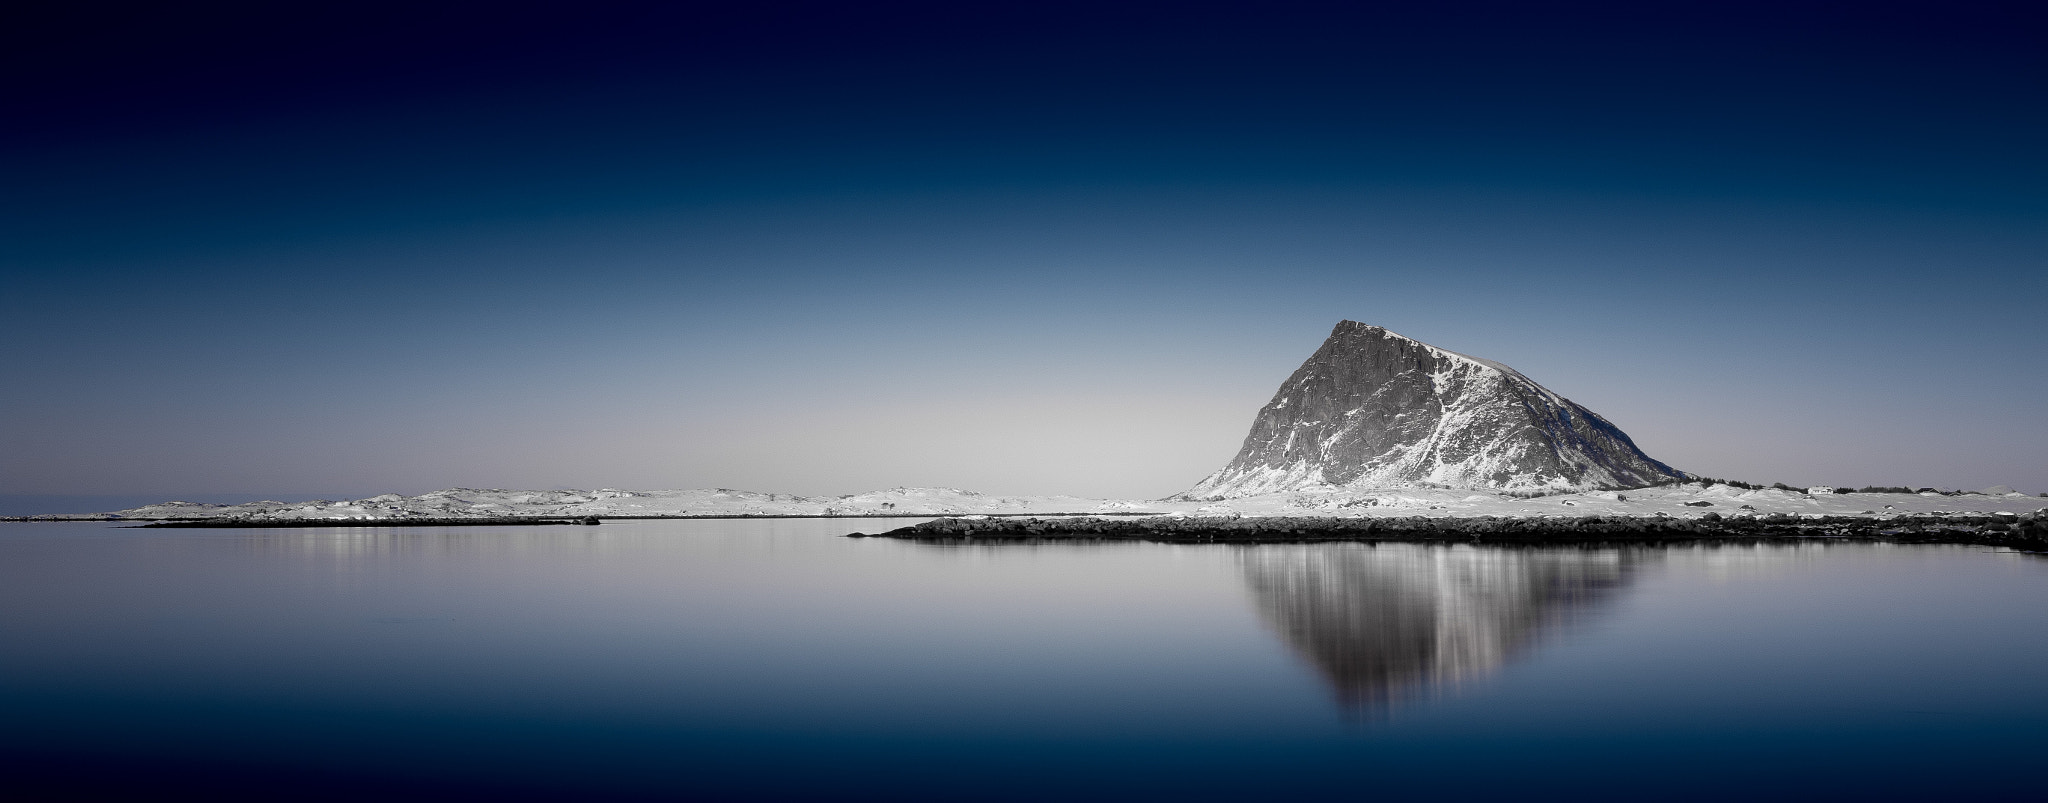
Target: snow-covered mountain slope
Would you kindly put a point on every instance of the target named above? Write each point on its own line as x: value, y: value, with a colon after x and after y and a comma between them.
x: 1372, y: 409
x: 1683, y: 500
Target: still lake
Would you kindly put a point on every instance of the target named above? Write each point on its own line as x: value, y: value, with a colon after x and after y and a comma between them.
x: 773, y: 659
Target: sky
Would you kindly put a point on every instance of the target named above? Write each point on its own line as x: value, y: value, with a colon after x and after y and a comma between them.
x: 333, y: 250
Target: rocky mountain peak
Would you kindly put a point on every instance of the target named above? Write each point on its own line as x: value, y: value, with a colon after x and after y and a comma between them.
x: 1374, y: 409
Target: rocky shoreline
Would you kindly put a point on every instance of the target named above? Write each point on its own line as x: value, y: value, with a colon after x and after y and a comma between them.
x: 2024, y: 532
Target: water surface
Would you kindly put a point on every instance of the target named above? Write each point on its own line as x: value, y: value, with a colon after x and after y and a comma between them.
x: 763, y: 659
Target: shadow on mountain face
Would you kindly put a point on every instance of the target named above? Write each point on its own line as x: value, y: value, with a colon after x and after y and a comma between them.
x: 1387, y: 622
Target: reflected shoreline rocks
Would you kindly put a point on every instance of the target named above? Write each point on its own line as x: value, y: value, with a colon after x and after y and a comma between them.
x: 1387, y: 622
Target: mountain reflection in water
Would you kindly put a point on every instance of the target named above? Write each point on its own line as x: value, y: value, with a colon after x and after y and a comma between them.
x: 1383, y: 622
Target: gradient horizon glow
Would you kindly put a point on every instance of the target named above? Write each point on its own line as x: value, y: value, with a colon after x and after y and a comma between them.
x: 1042, y: 249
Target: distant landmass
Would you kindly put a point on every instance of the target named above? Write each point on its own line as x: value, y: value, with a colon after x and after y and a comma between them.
x: 1372, y: 409
x: 1372, y: 425
x: 1686, y: 499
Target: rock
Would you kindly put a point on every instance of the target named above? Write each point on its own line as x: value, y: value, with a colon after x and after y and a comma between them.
x: 1373, y: 409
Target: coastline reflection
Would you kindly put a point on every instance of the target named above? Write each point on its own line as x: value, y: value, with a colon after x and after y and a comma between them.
x: 1386, y: 622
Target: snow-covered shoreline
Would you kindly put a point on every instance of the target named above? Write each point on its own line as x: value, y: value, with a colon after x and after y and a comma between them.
x: 1684, y: 500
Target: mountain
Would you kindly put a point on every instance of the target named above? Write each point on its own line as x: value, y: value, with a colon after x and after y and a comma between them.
x: 1372, y: 409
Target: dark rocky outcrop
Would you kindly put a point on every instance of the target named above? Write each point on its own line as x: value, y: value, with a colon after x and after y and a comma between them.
x: 2028, y: 532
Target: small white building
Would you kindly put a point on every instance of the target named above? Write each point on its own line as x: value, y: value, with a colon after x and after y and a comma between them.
x: 1817, y: 490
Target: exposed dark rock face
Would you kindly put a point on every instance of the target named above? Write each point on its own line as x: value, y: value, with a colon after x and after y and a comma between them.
x: 1373, y: 409
x: 2026, y: 533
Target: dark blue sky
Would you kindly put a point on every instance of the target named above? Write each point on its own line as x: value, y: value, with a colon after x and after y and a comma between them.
x: 1042, y: 248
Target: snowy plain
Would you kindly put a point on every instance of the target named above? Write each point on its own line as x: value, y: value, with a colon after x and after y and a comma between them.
x: 1680, y: 500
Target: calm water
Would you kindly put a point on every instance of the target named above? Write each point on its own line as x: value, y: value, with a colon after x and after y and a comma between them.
x: 772, y: 659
